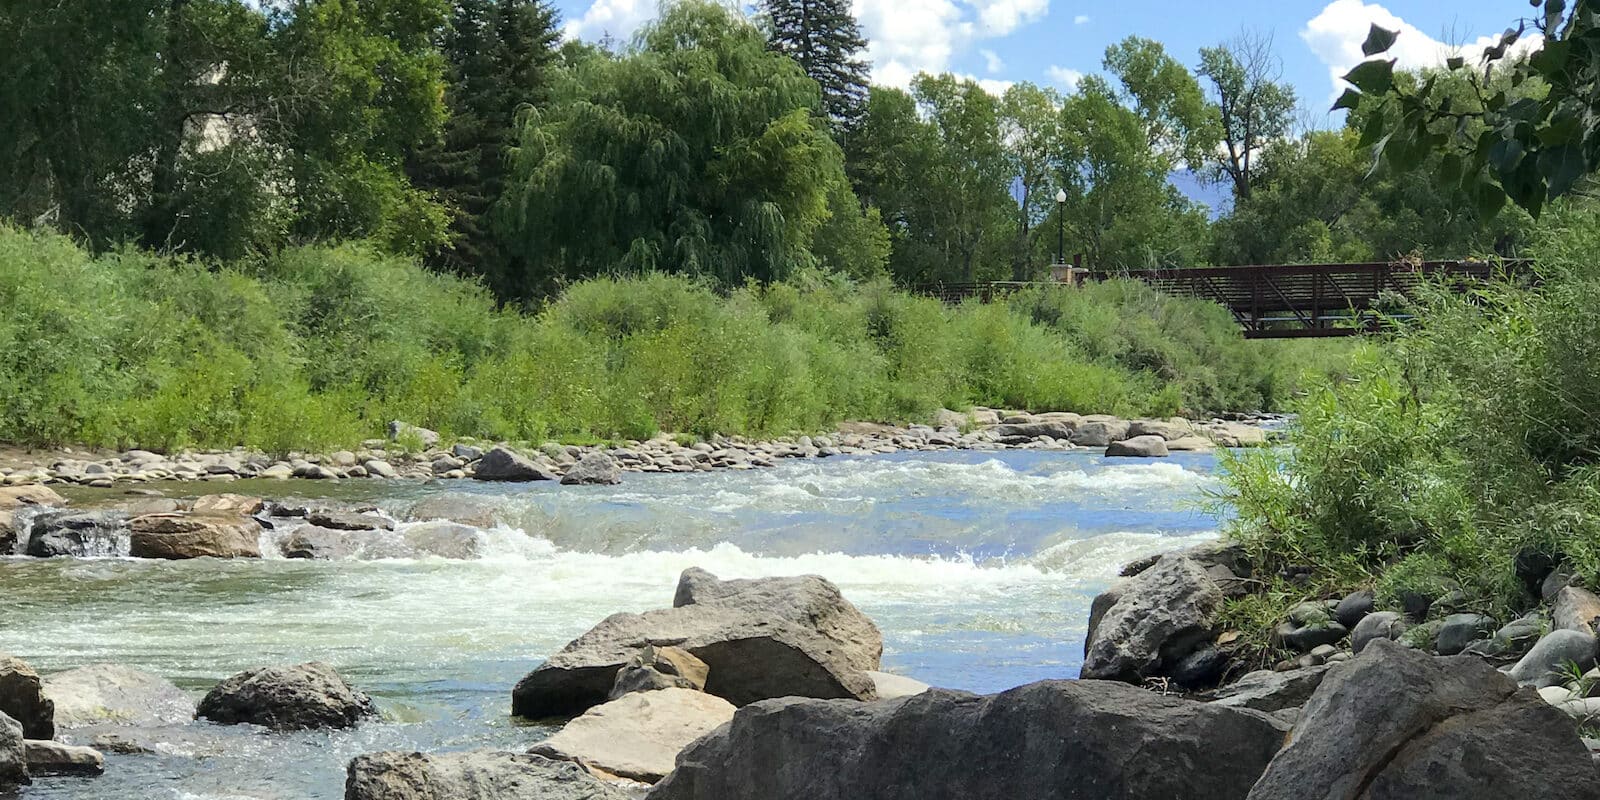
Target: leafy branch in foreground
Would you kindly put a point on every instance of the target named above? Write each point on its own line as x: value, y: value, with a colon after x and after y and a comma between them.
x: 1529, y: 131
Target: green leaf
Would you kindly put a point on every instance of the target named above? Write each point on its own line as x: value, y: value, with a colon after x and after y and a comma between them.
x: 1451, y: 169
x: 1372, y: 77
x: 1551, y: 59
x: 1378, y: 40
x: 1487, y: 199
x: 1373, y: 131
x: 1562, y: 167
x: 1350, y: 99
x: 1455, y: 62
x: 1505, y: 156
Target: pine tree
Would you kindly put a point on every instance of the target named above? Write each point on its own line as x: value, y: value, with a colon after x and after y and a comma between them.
x: 499, y: 54
x: 824, y: 37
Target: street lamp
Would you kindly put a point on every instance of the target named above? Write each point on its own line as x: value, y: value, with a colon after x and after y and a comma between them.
x: 1061, y: 241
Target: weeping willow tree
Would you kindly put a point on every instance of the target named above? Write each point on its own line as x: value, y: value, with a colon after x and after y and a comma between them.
x: 697, y: 151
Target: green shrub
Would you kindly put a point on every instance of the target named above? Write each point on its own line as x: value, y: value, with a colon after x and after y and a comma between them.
x: 321, y: 346
x: 1468, y: 441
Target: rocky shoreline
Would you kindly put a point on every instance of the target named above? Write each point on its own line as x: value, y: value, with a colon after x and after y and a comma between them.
x: 769, y: 689
x: 417, y: 453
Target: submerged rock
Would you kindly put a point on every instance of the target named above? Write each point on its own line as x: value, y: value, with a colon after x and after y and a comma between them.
x: 1053, y: 740
x: 501, y: 464
x: 1159, y: 616
x: 638, y: 736
x: 761, y: 638
x: 111, y: 694
x: 324, y: 544
x: 349, y: 521
x: 1397, y: 724
x: 287, y: 698
x: 481, y: 775
x: 23, y: 699
x: 184, y: 536
x: 475, y: 510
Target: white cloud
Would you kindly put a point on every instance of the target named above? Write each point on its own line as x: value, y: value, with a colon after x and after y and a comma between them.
x: 992, y: 86
x: 1064, y: 77
x: 1335, y: 36
x: 1081, y: 19
x: 910, y: 36
x: 1000, y: 17
x: 991, y: 61
x: 616, y: 18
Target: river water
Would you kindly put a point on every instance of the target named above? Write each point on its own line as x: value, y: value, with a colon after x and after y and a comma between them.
x: 978, y: 566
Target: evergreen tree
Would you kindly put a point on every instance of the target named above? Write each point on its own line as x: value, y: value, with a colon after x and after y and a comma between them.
x: 823, y: 36
x: 499, y: 54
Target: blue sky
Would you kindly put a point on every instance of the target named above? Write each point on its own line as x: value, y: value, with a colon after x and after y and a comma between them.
x: 1052, y: 42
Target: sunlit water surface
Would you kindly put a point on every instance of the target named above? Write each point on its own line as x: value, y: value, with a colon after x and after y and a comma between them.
x: 978, y: 567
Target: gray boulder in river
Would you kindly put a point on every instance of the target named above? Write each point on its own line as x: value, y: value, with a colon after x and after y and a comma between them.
x: 287, y: 698
x: 1052, y: 740
x: 184, y: 536
x: 1151, y: 620
x: 762, y: 638
x: 78, y: 534
x: 594, y: 468
x: 501, y: 464
x: 1398, y: 724
x: 481, y: 775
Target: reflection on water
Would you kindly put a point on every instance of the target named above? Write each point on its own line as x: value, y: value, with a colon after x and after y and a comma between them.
x: 979, y: 568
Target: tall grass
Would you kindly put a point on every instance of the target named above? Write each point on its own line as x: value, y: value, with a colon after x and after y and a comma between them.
x: 321, y: 346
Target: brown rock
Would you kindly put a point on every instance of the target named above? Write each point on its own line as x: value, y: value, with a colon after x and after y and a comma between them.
x: 638, y: 736
x: 23, y: 699
x: 180, y: 536
x: 237, y: 505
x: 1575, y: 609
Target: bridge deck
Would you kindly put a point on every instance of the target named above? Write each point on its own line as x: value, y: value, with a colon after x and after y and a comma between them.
x: 1284, y: 300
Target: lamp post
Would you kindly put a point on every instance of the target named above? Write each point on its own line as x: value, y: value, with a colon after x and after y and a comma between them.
x: 1061, y: 241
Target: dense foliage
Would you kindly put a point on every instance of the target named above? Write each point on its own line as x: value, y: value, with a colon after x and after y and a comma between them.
x: 321, y: 346
x: 467, y: 133
x: 1467, y: 443
x: 1527, y: 130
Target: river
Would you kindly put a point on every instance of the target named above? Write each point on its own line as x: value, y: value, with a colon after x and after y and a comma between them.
x: 978, y: 566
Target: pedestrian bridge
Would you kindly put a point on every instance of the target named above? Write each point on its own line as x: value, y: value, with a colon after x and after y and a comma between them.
x: 1287, y: 301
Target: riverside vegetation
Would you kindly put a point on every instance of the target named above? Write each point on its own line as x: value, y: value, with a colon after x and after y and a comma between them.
x: 319, y: 347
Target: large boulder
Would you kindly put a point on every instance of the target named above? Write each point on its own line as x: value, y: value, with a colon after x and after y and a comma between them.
x: 761, y: 638
x: 467, y: 509
x: 638, y: 736
x: 22, y: 698
x: 111, y: 694
x: 287, y: 698
x: 1172, y: 429
x: 1100, y: 433
x: 1160, y: 615
x: 78, y: 534
x: 1053, y: 740
x: 182, y: 536
x: 595, y: 468
x: 1398, y: 724
x: 501, y: 464
x: 13, y: 754
x: 481, y: 775
x: 399, y: 430
x: 1148, y: 446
